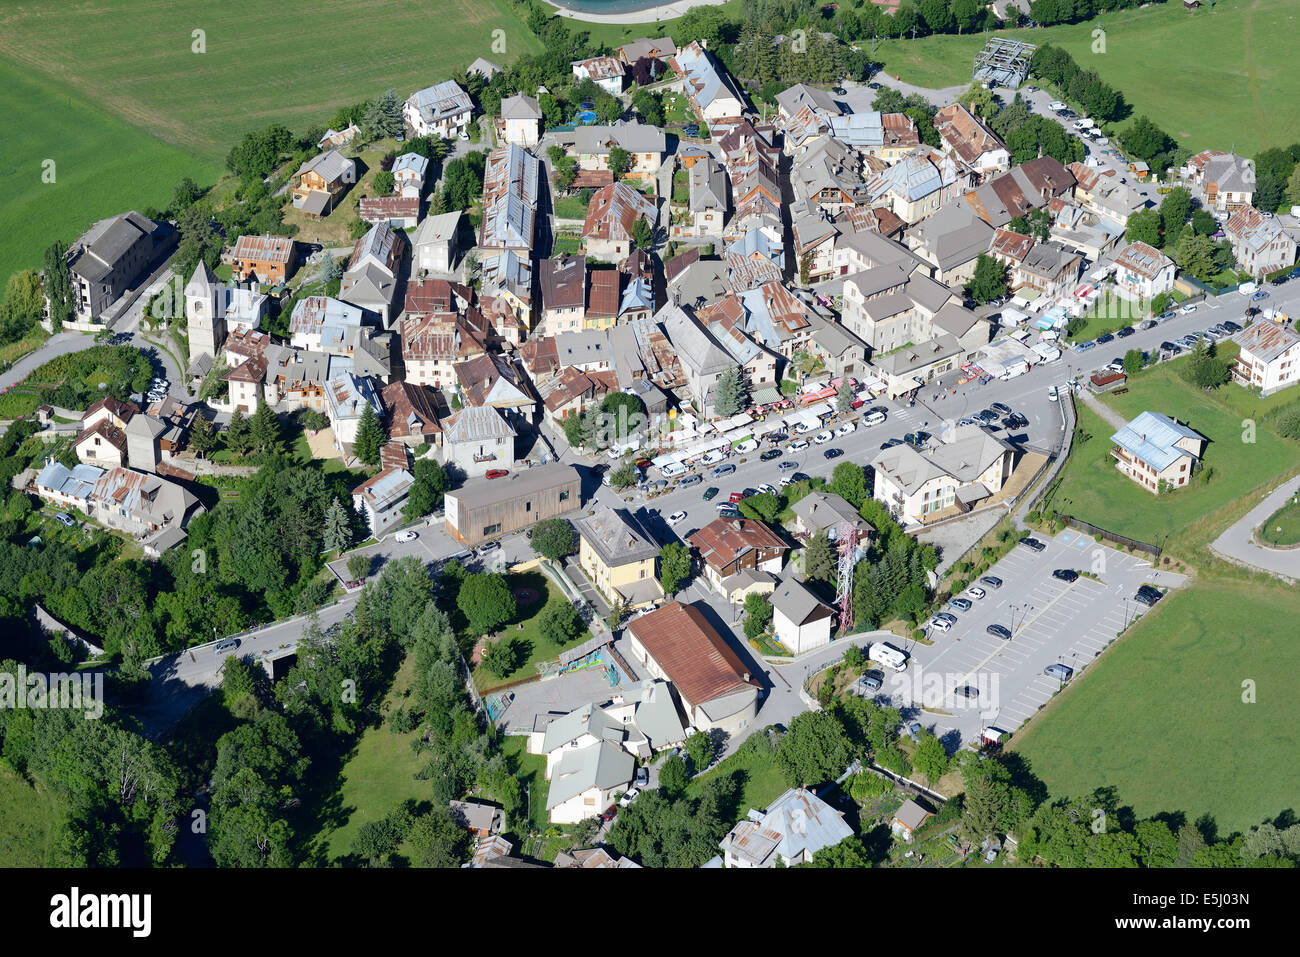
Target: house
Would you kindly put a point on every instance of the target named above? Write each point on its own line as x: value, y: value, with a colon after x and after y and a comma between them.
x: 563, y: 282
x: 585, y: 780
x: 826, y: 178
x: 968, y: 138
x: 588, y: 350
x: 409, y: 171
x: 438, y: 297
x: 107, y: 260
x: 346, y: 398
x: 319, y: 183
x: 707, y: 84
x: 268, y: 259
x: 508, y: 276
x: 814, y: 241
x: 334, y: 139
x: 440, y: 110
x: 698, y: 356
x: 1224, y: 181
x: 676, y: 643
x: 603, y: 299
x: 1143, y: 272
x: 371, y: 277
x: 800, y: 620
x: 952, y: 241
x: 1103, y: 192
x: 777, y: 319
x: 433, y: 344
x: 484, y: 68
x: 436, y: 243
x: 593, y: 858
x: 611, y: 214
x: 660, y: 48
x: 618, y: 554
x: 319, y: 324
x: 1157, y: 452
x: 606, y: 72
x: 840, y: 351
x: 1269, y: 359
x: 890, y: 308
x: 511, y: 179
x: 67, y: 487
x: 400, y: 212
x: 949, y: 478
x: 1259, y: 243
x: 795, y: 826
x: 730, y: 546
x: 642, y: 717
x: 1048, y: 269
x: 498, y: 381
x: 826, y: 513
x: 148, y: 507
x: 572, y: 392
x: 102, y: 444
x: 213, y: 309
x: 476, y: 439
x: 918, y: 184
x: 481, y: 820
x: 646, y: 146
x: 414, y: 414
x: 379, y: 500
x: 521, y: 120
x: 907, y: 820
x: 707, y: 203
x: 726, y: 322
x: 481, y: 511
x: 1022, y: 188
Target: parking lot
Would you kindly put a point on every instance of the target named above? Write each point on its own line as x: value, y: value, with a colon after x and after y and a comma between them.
x: 1051, y: 622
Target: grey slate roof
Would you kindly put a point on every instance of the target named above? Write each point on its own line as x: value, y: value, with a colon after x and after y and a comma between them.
x: 617, y: 536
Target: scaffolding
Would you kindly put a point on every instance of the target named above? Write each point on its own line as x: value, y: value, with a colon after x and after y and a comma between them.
x: 847, y: 539
x: 1003, y: 62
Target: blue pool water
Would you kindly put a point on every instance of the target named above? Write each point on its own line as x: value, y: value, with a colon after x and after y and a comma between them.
x: 609, y: 6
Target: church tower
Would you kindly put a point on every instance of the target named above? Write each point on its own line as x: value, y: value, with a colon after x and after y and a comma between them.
x: 204, y: 312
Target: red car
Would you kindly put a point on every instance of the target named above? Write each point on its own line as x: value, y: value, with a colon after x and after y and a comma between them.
x: 497, y: 473
x: 857, y: 404
x: 609, y: 813
x: 643, y: 463
x: 736, y: 496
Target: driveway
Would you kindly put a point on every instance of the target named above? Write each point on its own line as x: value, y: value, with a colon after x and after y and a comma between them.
x: 1238, y: 542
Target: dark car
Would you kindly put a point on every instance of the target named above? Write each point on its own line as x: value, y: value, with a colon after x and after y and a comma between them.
x: 999, y: 631
x: 1108, y: 337
x: 1066, y: 574
x: 1015, y: 421
x: 608, y: 816
x: 916, y: 439
x: 1166, y: 315
x: 1278, y: 281
x: 833, y: 453
x: 1231, y: 326
x: 986, y: 416
x: 1171, y: 347
x: 692, y: 480
x: 710, y: 493
x: 785, y: 466
x: 1148, y: 597
x: 1125, y: 332
x: 1001, y: 408
x: 1033, y: 543
x: 968, y: 692
x: 992, y: 581
x: 770, y: 454
x: 800, y: 477
x: 890, y: 444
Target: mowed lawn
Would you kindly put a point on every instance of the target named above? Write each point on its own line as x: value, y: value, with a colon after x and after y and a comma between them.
x: 1222, y: 78
x: 102, y: 166
x: 1092, y: 488
x: 1161, y: 716
x: 29, y: 820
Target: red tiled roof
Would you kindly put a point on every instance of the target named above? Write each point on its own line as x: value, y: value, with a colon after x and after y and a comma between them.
x: 697, y: 660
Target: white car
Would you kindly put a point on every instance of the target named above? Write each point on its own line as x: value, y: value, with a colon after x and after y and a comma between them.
x: 672, y: 470
x: 1189, y: 308
x: 798, y: 446
x: 1053, y: 394
x: 767, y: 489
x: 940, y: 624
x: 847, y: 428
x: 821, y: 438
x: 803, y: 428
x: 629, y: 797
x: 976, y: 592
x: 712, y: 458
x: 744, y: 448
x: 487, y: 549
x: 407, y: 536
x: 676, y: 517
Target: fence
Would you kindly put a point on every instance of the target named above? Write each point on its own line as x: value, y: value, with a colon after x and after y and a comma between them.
x: 1073, y: 522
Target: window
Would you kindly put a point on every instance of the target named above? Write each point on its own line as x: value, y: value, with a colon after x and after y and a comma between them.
x: 528, y: 506
x: 491, y: 529
x: 564, y: 496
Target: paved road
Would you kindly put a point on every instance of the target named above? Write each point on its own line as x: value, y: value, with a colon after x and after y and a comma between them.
x: 1238, y: 543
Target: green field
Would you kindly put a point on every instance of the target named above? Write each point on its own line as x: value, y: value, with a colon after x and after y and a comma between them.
x: 1283, y: 526
x: 1093, y: 490
x: 1161, y: 716
x: 537, y: 647
x: 29, y: 819
x: 115, y: 95
x: 1222, y: 78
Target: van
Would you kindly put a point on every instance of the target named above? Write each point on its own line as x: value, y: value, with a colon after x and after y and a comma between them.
x: 875, y: 418
x: 1049, y: 335
x: 672, y: 470
x: 1059, y: 671
x: 1248, y: 288
x: 230, y: 644
x: 747, y: 446
x: 888, y: 655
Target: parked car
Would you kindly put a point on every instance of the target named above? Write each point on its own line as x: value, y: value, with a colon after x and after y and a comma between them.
x: 999, y: 631
x: 710, y: 493
x: 496, y: 473
x: 1171, y: 348
x: 1166, y: 315
x: 642, y: 777
x: 833, y: 453
x: 1060, y: 671
x: 1148, y: 324
x: 1188, y: 309
x: 230, y: 644
x: 875, y: 417
x: 986, y: 416
x: 1066, y: 575
x: 976, y: 592
x: 890, y: 444
x: 1032, y: 543
x: 1015, y: 421
x: 1053, y: 395
x: 1108, y: 337
x: 968, y: 692
x: 722, y: 470
x: 824, y: 436
x: 1001, y: 408
x: 1259, y: 296
x: 406, y: 536
x: 691, y: 480
x: 629, y: 797
x: 608, y: 814
x: 846, y: 429
x: 770, y: 454
x: 961, y: 604
x: 871, y: 682
x: 1147, y: 595
x: 65, y: 519
x: 801, y: 477
x: 787, y: 465
x: 992, y: 581
x: 735, y: 498
x: 942, y: 622
x: 798, y: 445
x: 676, y: 517
x: 487, y: 548
x: 1085, y: 346
x: 1231, y: 326
x: 917, y: 439
x: 1125, y: 332
x: 727, y: 510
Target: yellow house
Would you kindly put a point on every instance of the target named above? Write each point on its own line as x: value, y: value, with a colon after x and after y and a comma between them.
x: 618, y: 555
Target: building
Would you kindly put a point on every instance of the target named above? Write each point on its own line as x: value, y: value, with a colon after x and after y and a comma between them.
x: 482, y: 820
x: 611, y: 214
x: 918, y: 184
x: 821, y: 512
x: 148, y: 507
x: 107, y: 260
x: 908, y: 819
x: 618, y: 554
x: 409, y: 171
x: 414, y: 414
x: 951, y: 240
x: 322, y: 324
x: 521, y: 120
x: 477, y: 439
x: 432, y: 345
x: 440, y: 110
x: 967, y: 138
x: 730, y: 546
x: 1157, y: 452
x: 948, y: 478
x: 213, y: 310
x: 800, y: 620
x: 436, y: 243
x: 379, y: 500
x: 511, y: 179
x: 707, y: 84
x: 707, y: 201
x: 1259, y: 243
x: 646, y: 146
x: 677, y: 644
x: 400, y: 212
x: 701, y: 359
x: 796, y: 826
x: 484, y: 510
x: 1225, y: 181
x: 606, y: 72
x: 593, y: 858
x: 1048, y: 269
x: 268, y: 259
x: 346, y: 398
x: 1269, y: 359
x: 563, y: 282
x: 371, y: 277
x: 1022, y: 188
x: 1143, y: 272
x: 319, y: 183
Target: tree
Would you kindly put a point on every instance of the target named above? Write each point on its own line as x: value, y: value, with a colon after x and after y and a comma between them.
x: 1133, y: 362
x: 370, y: 437
x: 1146, y: 141
x: 700, y: 747
x: 818, y: 559
x: 427, y: 491
x: 1203, y: 223
x: 437, y: 840
x: 731, y: 394
x: 930, y: 758
x: 625, y: 476
x: 620, y: 161
x: 560, y: 623
x: 554, y: 538
x: 200, y: 241
x: 22, y: 307
x: 844, y: 398
x: 338, y: 527
x: 1204, y: 368
x: 1196, y: 255
x: 1144, y: 227
x: 814, y: 749
x: 764, y: 506
x: 384, y: 183
x: 849, y: 482
x: 185, y: 195
x: 758, y: 614
x: 502, y: 657
x: 624, y: 411
x: 1175, y: 208
x: 202, y: 438
x: 643, y: 234
x: 486, y: 601
x: 849, y: 852
x: 674, y: 567
x: 58, y: 285
x: 989, y: 281
x: 673, y: 776
x: 383, y: 116
x: 264, y: 431
x: 237, y: 438
x: 358, y: 567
